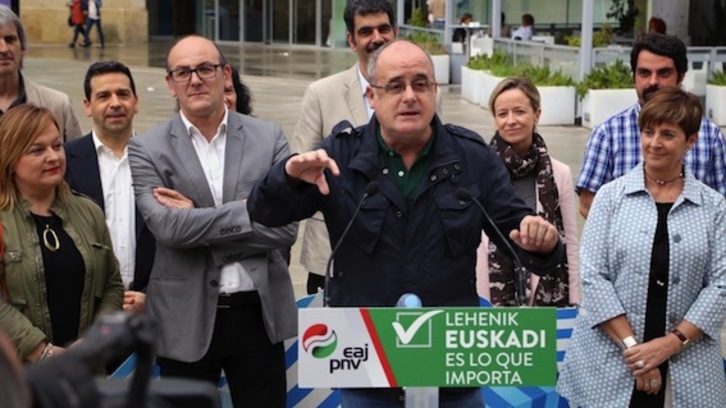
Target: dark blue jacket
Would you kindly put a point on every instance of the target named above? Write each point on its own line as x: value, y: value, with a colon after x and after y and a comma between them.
x: 428, y: 249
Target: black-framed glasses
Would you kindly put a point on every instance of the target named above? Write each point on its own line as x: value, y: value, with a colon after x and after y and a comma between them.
x: 204, y: 71
x: 420, y: 85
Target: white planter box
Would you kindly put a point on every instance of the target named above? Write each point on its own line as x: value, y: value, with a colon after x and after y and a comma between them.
x: 477, y: 85
x: 716, y: 104
x: 695, y: 80
x: 600, y: 104
x: 472, y: 82
x: 441, y: 68
x: 558, y: 105
x: 468, y: 79
x: 490, y: 82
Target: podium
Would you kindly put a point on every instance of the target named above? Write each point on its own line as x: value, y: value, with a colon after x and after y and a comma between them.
x: 300, y: 396
x: 426, y: 347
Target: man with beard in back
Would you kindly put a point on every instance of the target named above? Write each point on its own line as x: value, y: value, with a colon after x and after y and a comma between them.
x: 330, y: 100
x: 657, y: 60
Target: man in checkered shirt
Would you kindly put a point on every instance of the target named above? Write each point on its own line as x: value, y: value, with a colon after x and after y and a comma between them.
x: 613, y: 148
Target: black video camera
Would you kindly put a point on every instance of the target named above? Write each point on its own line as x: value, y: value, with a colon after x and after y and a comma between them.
x: 68, y: 380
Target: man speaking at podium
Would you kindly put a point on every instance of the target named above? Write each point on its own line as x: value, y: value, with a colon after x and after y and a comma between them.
x: 417, y: 185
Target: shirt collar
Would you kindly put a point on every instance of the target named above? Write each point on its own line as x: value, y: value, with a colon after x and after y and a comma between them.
x: 189, y: 126
x: 362, y: 79
x: 635, y: 183
x: 100, y: 146
x: 388, y: 151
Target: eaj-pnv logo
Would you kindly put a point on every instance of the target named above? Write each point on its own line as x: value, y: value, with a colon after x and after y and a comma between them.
x: 319, y: 341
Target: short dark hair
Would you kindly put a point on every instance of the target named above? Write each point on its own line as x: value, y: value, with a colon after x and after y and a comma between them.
x: 658, y: 24
x: 365, y: 7
x: 664, y: 45
x: 244, y: 95
x: 675, y: 106
x: 106, y: 67
x: 528, y: 18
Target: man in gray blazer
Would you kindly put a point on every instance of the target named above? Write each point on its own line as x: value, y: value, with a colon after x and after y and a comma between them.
x: 328, y: 101
x: 219, y: 287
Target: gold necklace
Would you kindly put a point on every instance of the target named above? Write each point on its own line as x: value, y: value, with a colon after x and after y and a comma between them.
x: 48, y: 232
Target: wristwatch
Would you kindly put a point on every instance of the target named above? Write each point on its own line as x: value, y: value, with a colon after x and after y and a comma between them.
x: 628, y: 342
x: 682, y: 337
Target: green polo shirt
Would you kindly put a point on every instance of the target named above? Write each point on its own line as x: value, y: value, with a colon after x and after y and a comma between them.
x: 408, y: 180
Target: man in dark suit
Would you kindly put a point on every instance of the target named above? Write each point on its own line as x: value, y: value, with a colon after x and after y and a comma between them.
x: 219, y: 287
x: 98, y: 166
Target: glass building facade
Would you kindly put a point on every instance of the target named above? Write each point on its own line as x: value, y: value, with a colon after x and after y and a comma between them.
x: 320, y: 22
x: 300, y: 22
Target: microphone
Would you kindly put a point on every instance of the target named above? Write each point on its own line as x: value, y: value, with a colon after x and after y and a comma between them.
x: 520, y: 277
x: 410, y: 300
x: 371, y: 189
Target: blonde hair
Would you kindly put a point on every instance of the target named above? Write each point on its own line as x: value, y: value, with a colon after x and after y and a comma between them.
x: 523, y: 84
x: 19, y: 127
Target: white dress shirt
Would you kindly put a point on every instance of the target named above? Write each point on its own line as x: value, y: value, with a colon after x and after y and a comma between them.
x: 364, y: 85
x: 211, y: 156
x: 523, y: 33
x: 119, y: 206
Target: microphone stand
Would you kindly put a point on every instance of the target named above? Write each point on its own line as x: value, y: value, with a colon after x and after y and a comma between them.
x: 519, y: 271
x: 370, y: 190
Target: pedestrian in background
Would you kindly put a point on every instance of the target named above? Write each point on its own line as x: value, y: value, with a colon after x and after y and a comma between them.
x: 79, y: 12
x: 94, y: 18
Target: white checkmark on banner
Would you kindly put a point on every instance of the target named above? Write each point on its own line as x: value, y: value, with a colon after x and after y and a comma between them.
x: 406, y: 335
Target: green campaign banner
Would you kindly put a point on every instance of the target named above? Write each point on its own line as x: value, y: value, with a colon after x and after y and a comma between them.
x: 442, y: 347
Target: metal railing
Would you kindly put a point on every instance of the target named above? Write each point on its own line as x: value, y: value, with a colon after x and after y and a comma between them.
x: 556, y: 57
x: 566, y: 58
x: 405, y: 30
x: 704, y: 60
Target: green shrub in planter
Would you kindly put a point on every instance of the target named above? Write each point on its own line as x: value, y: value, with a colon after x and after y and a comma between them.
x: 484, y: 62
x: 417, y: 18
x: 478, y: 62
x: 718, y: 79
x: 503, y: 70
x: 539, y: 75
x: 500, y: 64
x: 543, y: 76
x: 611, y: 76
x: 429, y: 42
x: 601, y: 38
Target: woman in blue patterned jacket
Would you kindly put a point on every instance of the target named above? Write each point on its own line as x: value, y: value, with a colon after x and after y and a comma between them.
x: 653, y: 264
